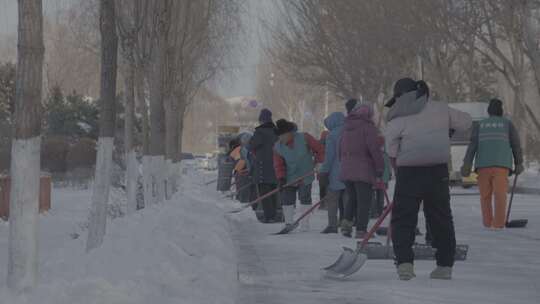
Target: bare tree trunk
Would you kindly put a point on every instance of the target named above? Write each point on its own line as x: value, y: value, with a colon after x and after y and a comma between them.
x: 100, y: 195
x: 25, y: 153
x: 143, y: 108
x: 180, y: 117
x: 131, y: 157
x: 533, y: 53
x: 171, y: 145
x: 157, y: 131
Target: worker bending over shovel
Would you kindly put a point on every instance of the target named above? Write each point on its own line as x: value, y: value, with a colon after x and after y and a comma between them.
x: 295, y: 155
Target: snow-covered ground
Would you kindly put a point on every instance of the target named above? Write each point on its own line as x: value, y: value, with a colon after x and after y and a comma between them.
x: 502, y: 267
x: 177, y: 252
x: 188, y: 250
x: 531, y: 177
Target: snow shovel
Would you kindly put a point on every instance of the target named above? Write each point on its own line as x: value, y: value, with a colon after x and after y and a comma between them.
x: 521, y: 223
x: 233, y: 194
x: 350, y: 261
x: 260, y: 198
x: 288, y: 229
x: 211, y: 182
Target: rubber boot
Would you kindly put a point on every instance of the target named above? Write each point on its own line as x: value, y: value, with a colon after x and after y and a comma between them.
x: 329, y: 229
x: 288, y: 214
x: 406, y: 271
x: 441, y: 273
x: 346, y: 228
x: 304, y: 224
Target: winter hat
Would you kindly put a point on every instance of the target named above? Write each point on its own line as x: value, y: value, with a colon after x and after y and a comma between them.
x: 495, y: 107
x: 364, y: 110
x: 406, y: 85
x: 351, y: 104
x: 283, y: 126
x: 265, y: 116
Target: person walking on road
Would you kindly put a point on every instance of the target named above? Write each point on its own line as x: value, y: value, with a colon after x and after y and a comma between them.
x: 261, y: 146
x: 329, y: 174
x: 362, y: 167
x: 295, y: 155
x: 494, y: 147
x: 418, y: 144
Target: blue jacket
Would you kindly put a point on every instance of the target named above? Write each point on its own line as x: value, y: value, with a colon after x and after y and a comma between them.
x: 331, y: 165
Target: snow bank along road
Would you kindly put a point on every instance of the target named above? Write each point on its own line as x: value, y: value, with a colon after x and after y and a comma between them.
x: 176, y: 252
x: 188, y: 251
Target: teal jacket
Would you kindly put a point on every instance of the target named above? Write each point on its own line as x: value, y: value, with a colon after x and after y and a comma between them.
x: 494, y: 143
x: 298, y: 157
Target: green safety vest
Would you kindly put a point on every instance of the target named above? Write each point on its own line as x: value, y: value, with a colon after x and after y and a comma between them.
x: 298, y: 159
x: 494, y: 148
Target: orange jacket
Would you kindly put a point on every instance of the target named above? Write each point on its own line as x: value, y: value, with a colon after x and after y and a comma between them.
x: 240, y: 166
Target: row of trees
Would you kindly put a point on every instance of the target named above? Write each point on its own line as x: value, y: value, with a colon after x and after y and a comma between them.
x: 464, y: 49
x: 166, y: 51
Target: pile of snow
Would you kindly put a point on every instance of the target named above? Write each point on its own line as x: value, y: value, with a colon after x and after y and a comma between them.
x: 176, y: 252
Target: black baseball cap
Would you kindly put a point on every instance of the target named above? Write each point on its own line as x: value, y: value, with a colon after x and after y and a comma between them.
x: 402, y: 86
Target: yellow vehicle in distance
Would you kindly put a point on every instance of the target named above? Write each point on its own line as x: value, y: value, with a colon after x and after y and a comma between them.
x: 460, y: 141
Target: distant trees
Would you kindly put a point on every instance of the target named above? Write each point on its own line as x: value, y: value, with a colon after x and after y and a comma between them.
x: 466, y: 50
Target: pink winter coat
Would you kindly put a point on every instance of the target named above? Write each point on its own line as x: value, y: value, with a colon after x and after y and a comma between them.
x: 360, y: 153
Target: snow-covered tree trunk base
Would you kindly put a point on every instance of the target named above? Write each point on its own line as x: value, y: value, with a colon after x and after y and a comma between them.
x: 178, y: 175
x: 154, y: 177
x: 23, y: 214
x: 172, y: 178
x: 132, y: 174
x: 159, y: 177
x: 100, y: 194
x: 147, y: 181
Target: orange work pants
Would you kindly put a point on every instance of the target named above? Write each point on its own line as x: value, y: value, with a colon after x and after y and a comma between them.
x: 493, y: 182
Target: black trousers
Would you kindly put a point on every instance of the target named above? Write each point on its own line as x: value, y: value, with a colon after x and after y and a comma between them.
x: 246, y: 194
x: 359, y: 201
x: 377, y: 204
x: 269, y: 204
x: 430, y: 185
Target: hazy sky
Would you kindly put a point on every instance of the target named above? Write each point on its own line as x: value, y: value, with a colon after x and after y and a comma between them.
x: 243, y: 80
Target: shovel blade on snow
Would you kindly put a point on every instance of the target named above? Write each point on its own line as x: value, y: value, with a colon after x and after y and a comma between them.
x: 345, y: 259
x: 522, y: 223
x: 287, y: 229
x: 237, y: 210
x: 348, y: 266
x: 350, y: 261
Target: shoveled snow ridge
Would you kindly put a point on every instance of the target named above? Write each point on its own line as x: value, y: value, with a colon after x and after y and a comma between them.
x: 176, y: 252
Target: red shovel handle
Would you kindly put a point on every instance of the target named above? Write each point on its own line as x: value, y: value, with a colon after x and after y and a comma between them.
x: 293, y: 183
x: 379, y: 221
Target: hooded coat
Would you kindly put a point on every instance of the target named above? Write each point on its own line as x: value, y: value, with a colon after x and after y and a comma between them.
x: 360, y: 153
x: 331, y: 165
x: 417, y: 130
x: 261, y: 146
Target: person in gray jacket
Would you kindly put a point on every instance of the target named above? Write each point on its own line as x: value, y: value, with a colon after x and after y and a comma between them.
x: 418, y: 144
